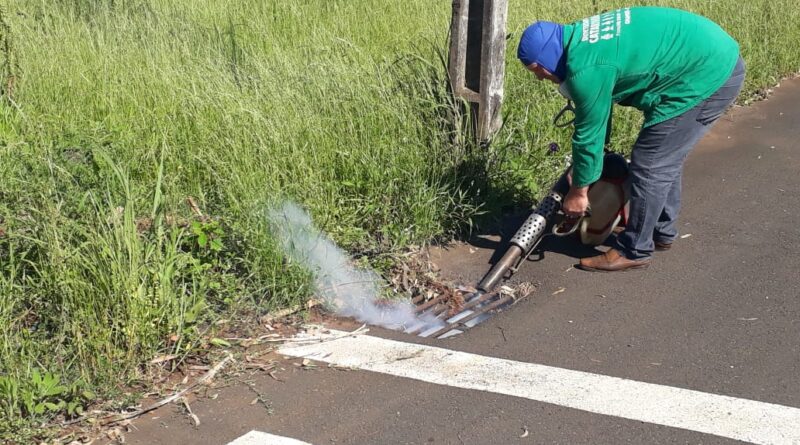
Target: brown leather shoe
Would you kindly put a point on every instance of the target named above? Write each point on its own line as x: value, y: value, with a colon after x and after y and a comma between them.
x: 612, y: 261
x: 663, y: 246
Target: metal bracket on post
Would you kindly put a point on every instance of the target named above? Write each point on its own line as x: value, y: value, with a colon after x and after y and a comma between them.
x: 477, y: 60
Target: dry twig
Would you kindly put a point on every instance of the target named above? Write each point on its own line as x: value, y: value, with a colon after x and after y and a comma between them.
x: 207, y: 377
x: 269, y: 318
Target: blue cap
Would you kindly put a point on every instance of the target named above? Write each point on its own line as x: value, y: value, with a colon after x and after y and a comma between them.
x: 541, y: 44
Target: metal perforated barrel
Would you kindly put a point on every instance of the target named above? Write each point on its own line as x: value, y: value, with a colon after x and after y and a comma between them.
x: 533, y: 229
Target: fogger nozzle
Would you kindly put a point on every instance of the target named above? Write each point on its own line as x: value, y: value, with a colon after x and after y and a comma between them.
x: 499, y: 270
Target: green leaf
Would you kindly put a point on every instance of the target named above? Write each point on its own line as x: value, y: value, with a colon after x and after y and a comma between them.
x: 197, y: 229
x: 51, y: 406
x: 194, y: 312
x: 55, y: 390
x: 36, y: 377
x: 27, y: 401
x: 219, y: 342
x: 202, y: 239
x: 50, y: 379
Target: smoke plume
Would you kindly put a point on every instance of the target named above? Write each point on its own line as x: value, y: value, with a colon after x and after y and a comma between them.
x: 352, y: 291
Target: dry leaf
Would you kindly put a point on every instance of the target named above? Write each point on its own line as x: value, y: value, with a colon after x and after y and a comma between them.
x: 261, y: 366
x: 194, y: 418
x: 162, y: 359
x: 116, y: 435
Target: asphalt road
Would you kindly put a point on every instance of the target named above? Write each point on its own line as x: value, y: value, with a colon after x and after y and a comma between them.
x: 719, y: 313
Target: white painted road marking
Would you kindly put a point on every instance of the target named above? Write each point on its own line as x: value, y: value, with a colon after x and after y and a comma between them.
x: 741, y: 419
x: 259, y: 438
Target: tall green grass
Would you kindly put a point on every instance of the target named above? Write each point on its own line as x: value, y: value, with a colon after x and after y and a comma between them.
x: 113, y: 114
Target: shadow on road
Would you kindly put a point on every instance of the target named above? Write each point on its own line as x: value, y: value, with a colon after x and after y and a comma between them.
x: 497, y: 236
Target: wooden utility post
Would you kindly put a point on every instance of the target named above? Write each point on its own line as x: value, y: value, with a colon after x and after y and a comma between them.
x: 477, y: 60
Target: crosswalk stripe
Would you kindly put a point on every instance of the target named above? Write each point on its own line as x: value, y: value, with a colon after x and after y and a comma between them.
x: 259, y: 438
x: 735, y: 418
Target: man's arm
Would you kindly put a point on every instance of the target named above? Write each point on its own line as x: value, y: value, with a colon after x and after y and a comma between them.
x: 591, y: 89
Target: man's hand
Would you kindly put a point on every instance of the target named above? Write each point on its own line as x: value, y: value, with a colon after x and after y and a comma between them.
x: 576, y: 202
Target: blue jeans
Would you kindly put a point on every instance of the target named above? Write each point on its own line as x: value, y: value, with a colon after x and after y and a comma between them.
x: 657, y: 165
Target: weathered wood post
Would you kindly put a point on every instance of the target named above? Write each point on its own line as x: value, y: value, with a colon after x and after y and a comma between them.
x: 477, y: 60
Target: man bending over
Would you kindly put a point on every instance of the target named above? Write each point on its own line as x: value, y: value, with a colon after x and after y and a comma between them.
x: 680, y: 69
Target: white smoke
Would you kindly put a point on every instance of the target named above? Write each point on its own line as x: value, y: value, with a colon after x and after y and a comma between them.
x: 352, y: 291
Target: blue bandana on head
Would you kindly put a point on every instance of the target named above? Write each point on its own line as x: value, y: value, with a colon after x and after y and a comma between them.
x: 541, y: 44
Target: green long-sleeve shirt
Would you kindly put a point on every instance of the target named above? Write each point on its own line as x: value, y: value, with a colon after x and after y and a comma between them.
x: 661, y: 61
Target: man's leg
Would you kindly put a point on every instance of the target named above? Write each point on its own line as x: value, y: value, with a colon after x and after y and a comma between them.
x: 655, y: 176
x: 656, y: 164
x: 666, y: 227
x: 711, y: 110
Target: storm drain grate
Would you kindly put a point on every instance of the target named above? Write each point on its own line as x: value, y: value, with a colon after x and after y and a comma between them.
x: 440, y: 318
